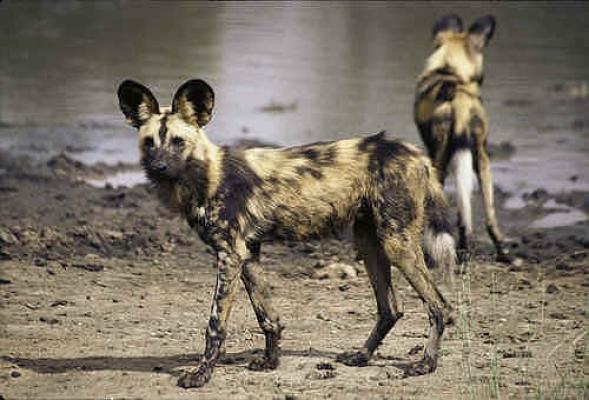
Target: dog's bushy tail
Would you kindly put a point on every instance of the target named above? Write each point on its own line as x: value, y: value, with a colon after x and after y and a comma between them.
x: 439, y: 242
x: 461, y: 165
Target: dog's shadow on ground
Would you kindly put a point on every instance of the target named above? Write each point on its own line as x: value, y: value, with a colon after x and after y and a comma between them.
x: 168, y: 364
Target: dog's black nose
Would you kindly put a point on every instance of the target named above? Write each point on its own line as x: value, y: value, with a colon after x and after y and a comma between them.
x: 157, y: 166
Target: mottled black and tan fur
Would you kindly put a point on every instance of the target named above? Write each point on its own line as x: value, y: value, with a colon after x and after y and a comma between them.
x: 236, y: 200
x: 452, y: 121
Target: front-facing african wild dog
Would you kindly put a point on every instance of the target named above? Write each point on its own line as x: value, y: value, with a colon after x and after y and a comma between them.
x: 237, y: 199
x: 452, y: 120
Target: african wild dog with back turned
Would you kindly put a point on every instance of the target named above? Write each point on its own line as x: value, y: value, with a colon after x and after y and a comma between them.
x: 235, y: 200
x: 453, y: 123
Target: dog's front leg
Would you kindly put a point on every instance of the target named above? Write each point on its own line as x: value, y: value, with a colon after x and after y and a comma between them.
x: 229, y: 263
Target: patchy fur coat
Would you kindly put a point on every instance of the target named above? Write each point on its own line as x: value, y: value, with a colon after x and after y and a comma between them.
x: 237, y: 199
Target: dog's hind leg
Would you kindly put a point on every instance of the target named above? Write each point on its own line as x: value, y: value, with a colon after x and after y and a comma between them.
x: 259, y: 294
x: 405, y: 253
x: 482, y: 166
x: 379, y: 273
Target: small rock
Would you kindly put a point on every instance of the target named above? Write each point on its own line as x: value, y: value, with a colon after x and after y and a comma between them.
x: 7, y: 237
x: 334, y: 270
x: 89, y: 267
x: 538, y: 196
x: 49, y: 320
x: 15, y: 374
x: 343, y: 271
x: 325, y: 366
x: 557, y: 315
x: 322, y: 317
x: 525, y: 282
x: 552, y: 289
x: 57, y: 303
x: 54, y: 264
x: 510, y: 353
x: 517, y: 263
x: 324, y: 371
x: 564, y: 266
x: 320, y: 274
x: 39, y: 262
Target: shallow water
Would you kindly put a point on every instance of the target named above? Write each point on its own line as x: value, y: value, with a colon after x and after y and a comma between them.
x: 339, y: 68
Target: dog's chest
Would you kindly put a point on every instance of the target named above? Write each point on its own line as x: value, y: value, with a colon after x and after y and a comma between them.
x: 201, y: 220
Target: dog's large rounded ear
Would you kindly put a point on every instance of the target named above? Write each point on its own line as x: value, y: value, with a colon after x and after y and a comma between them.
x: 136, y: 102
x: 448, y: 23
x: 481, y: 31
x: 194, y: 100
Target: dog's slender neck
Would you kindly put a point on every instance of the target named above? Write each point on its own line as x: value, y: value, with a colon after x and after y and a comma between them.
x: 449, y: 75
x: 429, y: 79
x: 204, y: 169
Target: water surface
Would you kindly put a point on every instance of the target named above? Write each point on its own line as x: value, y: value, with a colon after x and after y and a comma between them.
x: 340, y: 68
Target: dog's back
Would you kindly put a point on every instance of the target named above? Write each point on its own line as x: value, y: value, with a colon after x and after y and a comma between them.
x: 311, y: 190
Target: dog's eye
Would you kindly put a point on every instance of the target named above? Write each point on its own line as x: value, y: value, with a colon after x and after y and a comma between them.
x: 178, y: 142
x: 148, y: 143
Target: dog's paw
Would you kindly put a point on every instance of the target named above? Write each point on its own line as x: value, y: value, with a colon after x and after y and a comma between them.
x: 353, y: 358
x: 195, y: 377
x: 421, y: 367
x: 504, y: 257
x: 263, y: 364
x: 464, y: 256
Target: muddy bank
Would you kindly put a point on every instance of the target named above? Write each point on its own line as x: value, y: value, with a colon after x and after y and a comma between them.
x: 104, y: 293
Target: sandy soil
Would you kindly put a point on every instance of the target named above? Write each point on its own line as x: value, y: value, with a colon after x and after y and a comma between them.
x: 106, y: 295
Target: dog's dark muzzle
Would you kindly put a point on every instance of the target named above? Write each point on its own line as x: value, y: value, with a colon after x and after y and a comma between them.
x: 159, y: 166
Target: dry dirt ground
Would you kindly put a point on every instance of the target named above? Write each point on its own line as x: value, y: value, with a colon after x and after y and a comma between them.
x: 105, y: 295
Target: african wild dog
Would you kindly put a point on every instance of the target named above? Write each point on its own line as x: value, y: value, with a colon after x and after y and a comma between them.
x: 237, y: 199
x: 452, y: 121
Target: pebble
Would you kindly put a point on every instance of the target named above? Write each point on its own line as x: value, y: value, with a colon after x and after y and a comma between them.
x: 335, y: 270
x: 510, y: 353
x: 557, y: 315
x: 49, y: 320
x: 552, y: 289
x: 320, y: 374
